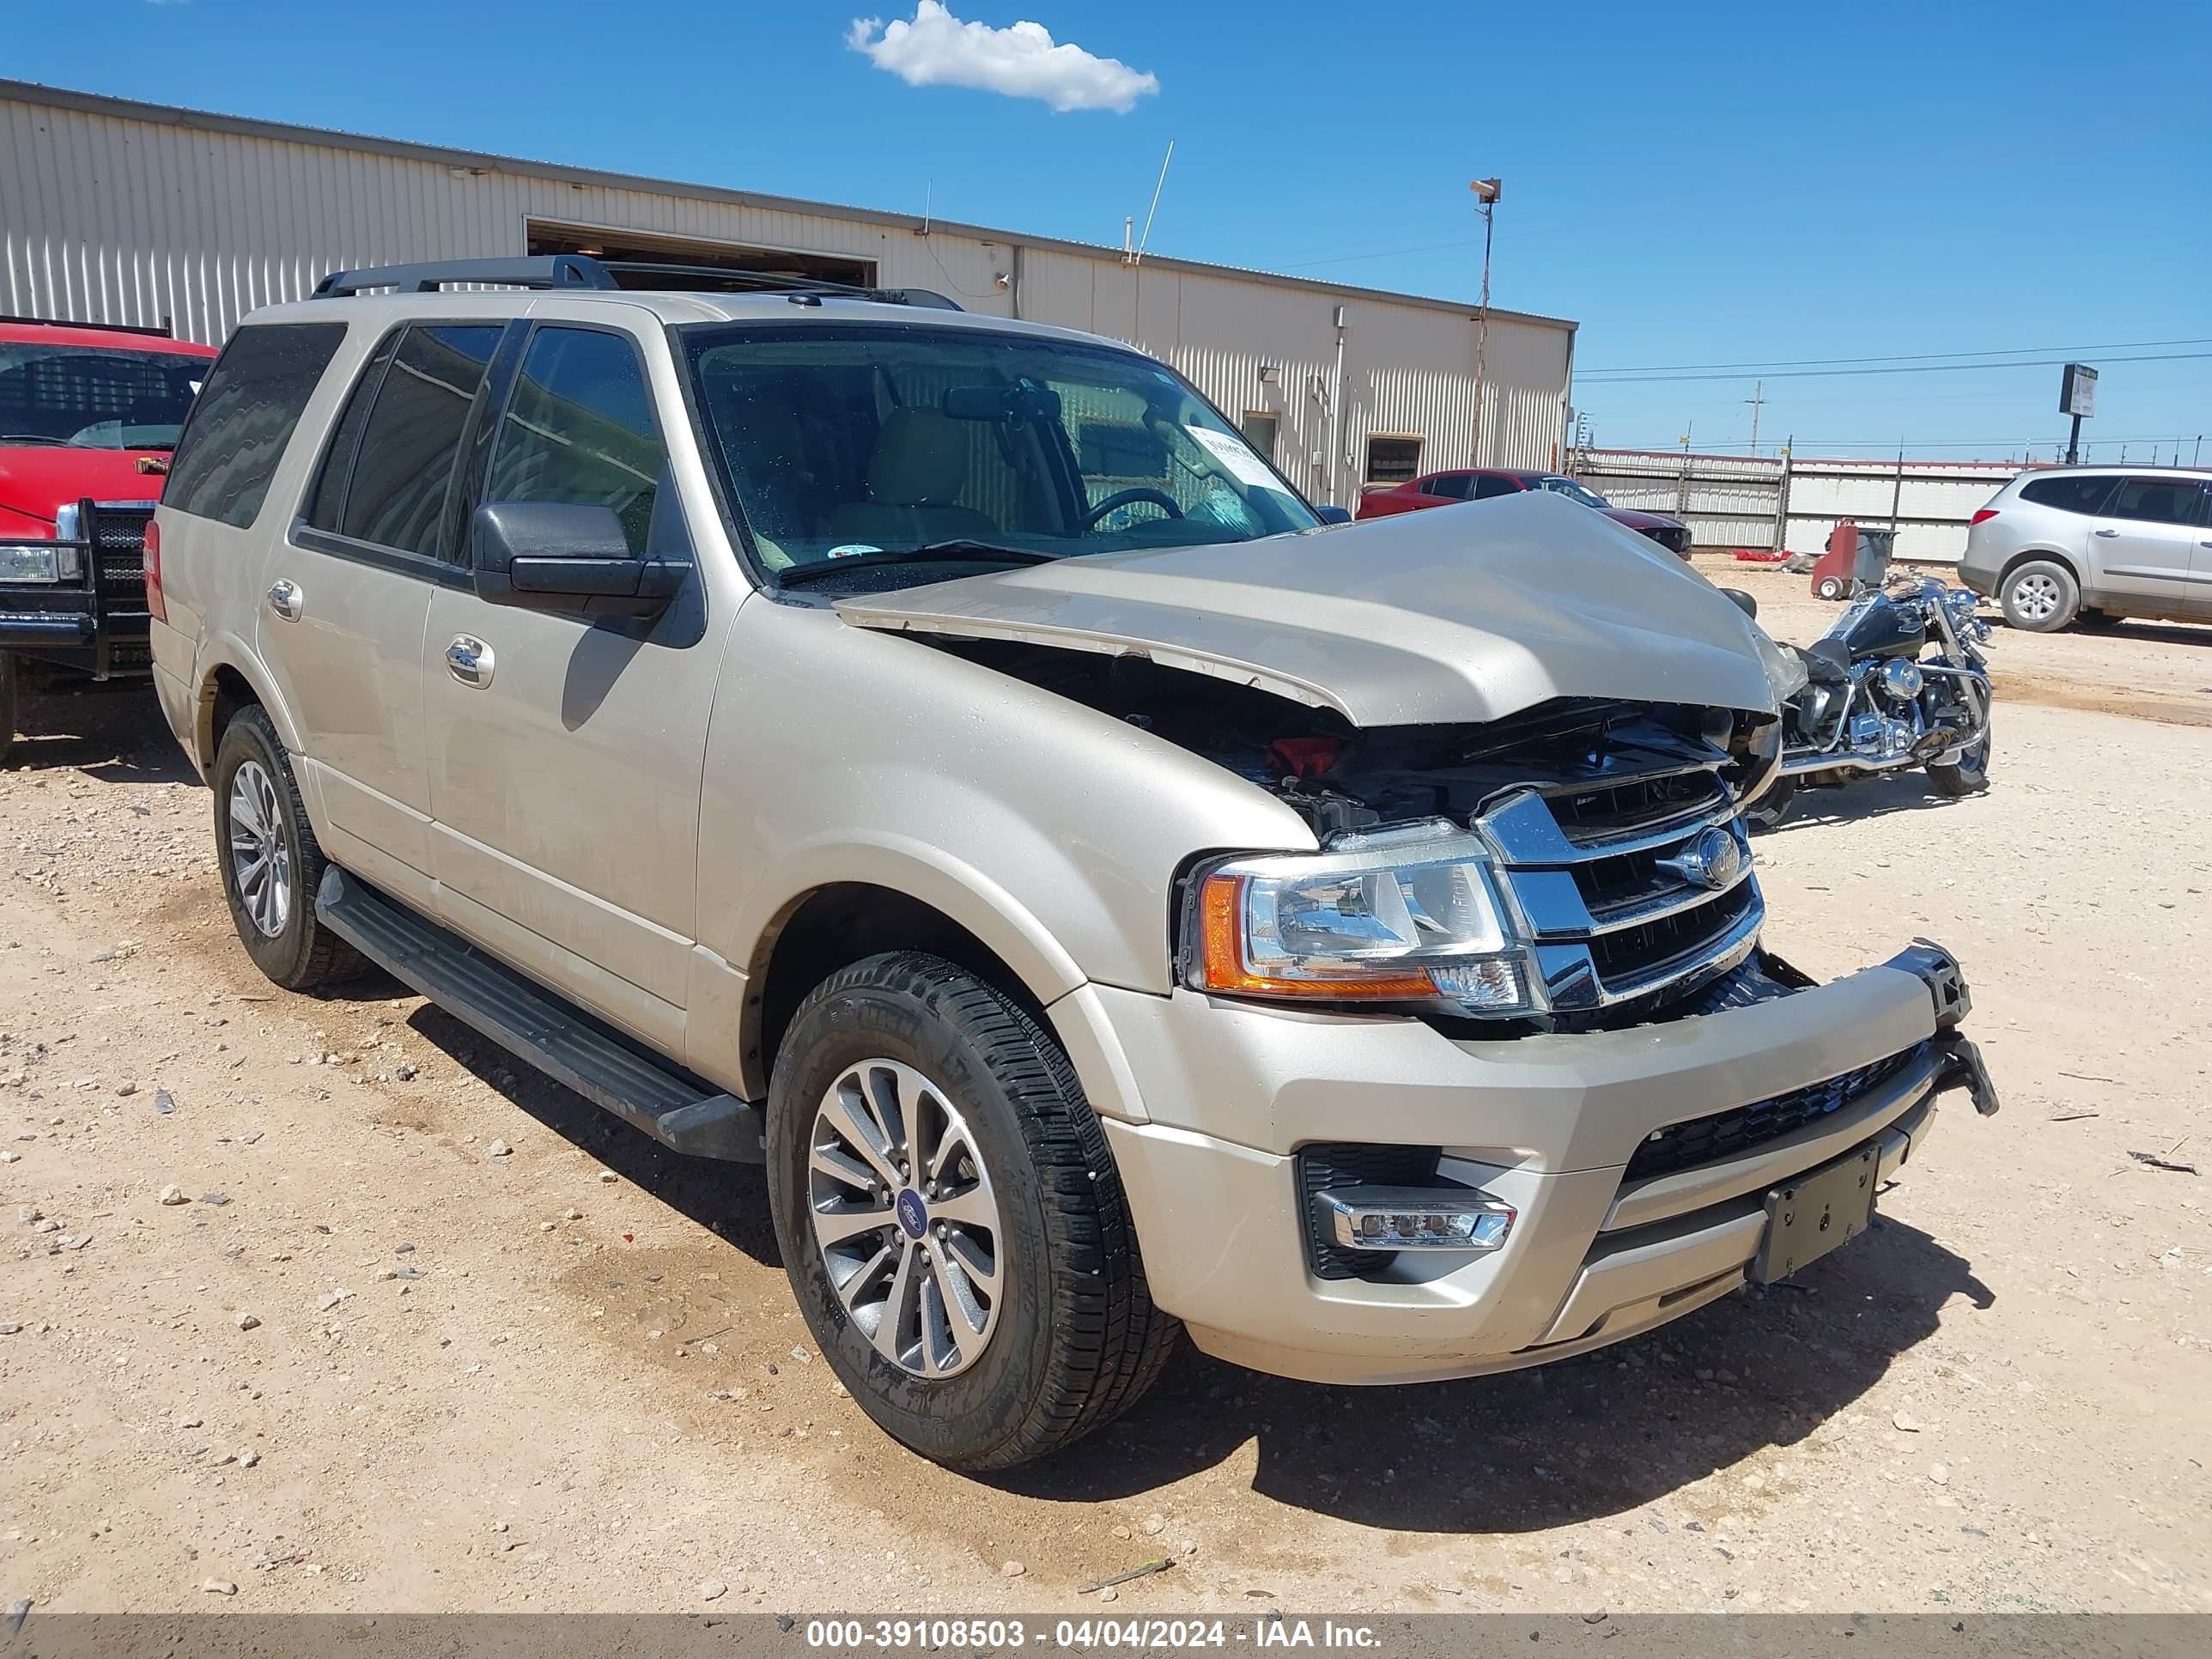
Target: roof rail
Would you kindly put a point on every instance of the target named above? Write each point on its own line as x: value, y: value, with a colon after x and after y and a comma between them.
x: 573, y: 270
x: 544, y: 270
x: 160, y: 332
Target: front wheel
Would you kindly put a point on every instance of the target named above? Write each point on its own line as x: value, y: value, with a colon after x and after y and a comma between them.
x: 1968, y: 776
x: 950, y: 1219
x: 1770, y: 808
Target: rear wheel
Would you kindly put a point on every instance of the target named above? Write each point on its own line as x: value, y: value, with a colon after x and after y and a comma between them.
x: 2040, y: 596
x: 950, y: 1219
x: 8, y: 703
x: 271, y: 861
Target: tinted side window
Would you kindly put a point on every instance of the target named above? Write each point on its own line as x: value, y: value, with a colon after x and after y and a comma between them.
x: 2074, y: 495
x: 1451, y: 486
x: 1486, y: 488
x: 580, y: 428
x: 2156, y: 501
x: 244, y: 417
x: 326, y: 504
x: 396, y: 497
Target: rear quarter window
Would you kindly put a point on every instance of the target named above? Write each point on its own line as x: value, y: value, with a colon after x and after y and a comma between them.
x: 244, y: 417
x: 2069, y: 494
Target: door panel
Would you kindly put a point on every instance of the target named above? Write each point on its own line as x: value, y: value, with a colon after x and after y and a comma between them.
x: 565, y: 765
x: 349, y: 666
x: 2197, y: 595
x: 2142, y: 544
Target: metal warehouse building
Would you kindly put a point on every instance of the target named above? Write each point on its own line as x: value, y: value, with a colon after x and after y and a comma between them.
x: 123, y: 212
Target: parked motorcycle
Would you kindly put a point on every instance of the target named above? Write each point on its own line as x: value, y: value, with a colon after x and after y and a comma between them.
x: 1899, y: 680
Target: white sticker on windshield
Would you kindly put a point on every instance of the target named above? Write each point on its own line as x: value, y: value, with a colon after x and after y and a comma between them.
x: 1240, y: 462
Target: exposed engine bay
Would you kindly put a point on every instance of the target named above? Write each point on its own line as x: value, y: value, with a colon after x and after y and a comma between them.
x: 1339, y: 777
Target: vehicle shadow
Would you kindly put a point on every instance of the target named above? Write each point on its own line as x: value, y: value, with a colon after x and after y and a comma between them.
x: 1861, y: 800
x: 1526, y: 1450
x: 730, y: 1199
x: 114, y: 733
x: 1517, y: 1452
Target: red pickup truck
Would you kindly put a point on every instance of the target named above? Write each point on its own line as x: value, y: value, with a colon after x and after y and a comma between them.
x: 1481, y: 483
x: 88, y: 414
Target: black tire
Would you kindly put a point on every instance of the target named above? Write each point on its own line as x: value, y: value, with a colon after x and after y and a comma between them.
x: 2096, y: 622
x: 301, y: 953
x: 1077, y: 1340
x: 1770, y: 808
x: 1970, y: 776
x: 9, y: 703
x: 2039, y: 596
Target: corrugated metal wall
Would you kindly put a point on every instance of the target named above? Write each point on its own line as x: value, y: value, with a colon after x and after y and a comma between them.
x: 108, y: 217
x: 1732, y: 500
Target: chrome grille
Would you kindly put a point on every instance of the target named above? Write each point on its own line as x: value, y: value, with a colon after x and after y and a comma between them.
x: 1601, y: 874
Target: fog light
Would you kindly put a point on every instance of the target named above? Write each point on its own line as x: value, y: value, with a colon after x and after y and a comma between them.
x: 1413, y: 1219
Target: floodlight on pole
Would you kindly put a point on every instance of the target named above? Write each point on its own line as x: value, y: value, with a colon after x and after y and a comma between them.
x: 1486, y: 193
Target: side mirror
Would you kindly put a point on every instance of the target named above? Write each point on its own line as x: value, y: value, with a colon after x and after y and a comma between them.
x: 1742, y: 601
x: 1333, y: 514
x: 566, y: 557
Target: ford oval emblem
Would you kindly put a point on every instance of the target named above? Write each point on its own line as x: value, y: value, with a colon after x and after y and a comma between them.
x: 912, y: 1213
x: 1713, y: 861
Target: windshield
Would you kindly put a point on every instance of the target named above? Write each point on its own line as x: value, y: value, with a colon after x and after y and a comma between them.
x: 843, y: 440
x: 1572, y: 490
x: 94, y: 397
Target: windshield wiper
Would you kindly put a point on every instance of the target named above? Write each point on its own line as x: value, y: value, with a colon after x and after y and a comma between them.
x: 961, y: 550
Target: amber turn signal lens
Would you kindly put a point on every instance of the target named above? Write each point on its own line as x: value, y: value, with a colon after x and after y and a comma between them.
x: 1223, y: 964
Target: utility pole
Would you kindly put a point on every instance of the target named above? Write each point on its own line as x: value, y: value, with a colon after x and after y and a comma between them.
x: 1758, y: 397
x: 1487, y: 191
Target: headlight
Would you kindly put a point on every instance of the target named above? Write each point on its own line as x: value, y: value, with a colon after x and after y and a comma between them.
x: 36, y: 561
x: 1408, y: 915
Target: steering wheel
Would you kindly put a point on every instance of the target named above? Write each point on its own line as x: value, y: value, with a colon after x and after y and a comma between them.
x: 1121, y: 498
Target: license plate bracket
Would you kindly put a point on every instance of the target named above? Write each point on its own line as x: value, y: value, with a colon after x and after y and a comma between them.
x: 1821, y: 1210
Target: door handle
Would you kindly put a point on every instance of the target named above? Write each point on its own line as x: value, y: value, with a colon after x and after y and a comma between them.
x: 2108, y: 534
x: 285, y: 599
x: 469, y: 660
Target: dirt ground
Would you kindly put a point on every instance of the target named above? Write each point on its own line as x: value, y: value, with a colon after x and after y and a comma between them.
x: 372, y: 1363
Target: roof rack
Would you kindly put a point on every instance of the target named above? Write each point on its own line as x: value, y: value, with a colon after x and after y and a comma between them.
x: 162, y: 331
x: 578, y: 271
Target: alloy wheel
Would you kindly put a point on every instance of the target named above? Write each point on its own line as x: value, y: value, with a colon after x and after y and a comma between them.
x: 905, y: 1218
x: 260, y: 862
x: 2036, y: 597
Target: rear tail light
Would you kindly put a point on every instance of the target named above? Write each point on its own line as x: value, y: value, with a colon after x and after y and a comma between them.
x: 157, y: 605
x: 1986, y: 513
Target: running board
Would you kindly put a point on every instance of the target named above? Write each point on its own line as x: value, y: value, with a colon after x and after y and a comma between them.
x: 681, y: 1112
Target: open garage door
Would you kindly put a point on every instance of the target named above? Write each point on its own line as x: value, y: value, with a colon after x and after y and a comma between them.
x: 549, y: 237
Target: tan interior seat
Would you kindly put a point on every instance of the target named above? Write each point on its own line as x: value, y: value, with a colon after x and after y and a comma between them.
x: 920, y: 464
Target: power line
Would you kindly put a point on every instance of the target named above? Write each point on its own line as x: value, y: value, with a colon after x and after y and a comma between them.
x: 1918, y: 368
x: 1907, y: 357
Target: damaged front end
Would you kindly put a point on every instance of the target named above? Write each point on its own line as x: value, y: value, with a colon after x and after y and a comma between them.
x: 1578, y: 864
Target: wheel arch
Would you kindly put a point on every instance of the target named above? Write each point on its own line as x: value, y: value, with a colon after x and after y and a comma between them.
x: 832, y: 924
x: 2066, y: 561
x: 229, y: 679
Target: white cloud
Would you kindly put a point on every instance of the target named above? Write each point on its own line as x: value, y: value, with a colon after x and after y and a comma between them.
x: 937, y: 49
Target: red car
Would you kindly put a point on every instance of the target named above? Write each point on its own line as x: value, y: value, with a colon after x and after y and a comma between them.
x: 88, y: 414
x: 1479, y: 484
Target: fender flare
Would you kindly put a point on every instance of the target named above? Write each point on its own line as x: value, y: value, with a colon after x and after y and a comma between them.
x: 223, y: 651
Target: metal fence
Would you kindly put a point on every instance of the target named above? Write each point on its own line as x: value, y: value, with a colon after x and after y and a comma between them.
x: 1790, y: 503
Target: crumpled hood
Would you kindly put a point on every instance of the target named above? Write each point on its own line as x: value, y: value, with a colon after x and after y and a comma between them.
x: 1470, y: 614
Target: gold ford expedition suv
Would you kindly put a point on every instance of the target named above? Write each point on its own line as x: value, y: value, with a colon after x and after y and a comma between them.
x: 934, y: 754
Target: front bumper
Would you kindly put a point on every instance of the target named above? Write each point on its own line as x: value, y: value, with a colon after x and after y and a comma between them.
x: 1547, y: 1124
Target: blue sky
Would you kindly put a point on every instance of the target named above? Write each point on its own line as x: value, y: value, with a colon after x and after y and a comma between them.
x: 1696, y: 185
